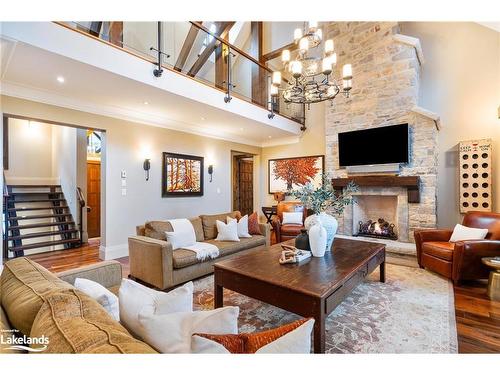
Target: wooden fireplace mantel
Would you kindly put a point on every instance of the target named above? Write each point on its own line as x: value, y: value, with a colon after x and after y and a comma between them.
x: 412, y: 183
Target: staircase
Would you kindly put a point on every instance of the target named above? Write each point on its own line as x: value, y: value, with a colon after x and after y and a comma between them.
x: 37, y: 218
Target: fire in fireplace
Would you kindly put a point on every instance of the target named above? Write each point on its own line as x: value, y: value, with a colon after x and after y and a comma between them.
x: 379, y: 229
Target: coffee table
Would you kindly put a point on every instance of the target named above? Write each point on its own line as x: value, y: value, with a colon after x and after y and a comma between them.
x: 312, y: 288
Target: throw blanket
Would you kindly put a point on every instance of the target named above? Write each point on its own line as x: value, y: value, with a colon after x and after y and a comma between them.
x: 203, y: 250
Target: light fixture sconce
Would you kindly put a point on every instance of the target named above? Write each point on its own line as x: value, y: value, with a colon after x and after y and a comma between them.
x: 211, y: 171
x: 147, y: 167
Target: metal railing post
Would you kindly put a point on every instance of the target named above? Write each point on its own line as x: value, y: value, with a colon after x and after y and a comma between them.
x: 229, y: 85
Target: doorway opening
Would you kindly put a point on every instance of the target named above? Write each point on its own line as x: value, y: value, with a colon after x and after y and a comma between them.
x: 243, y: 182
x: 46, y: 180
x: 94, y: 148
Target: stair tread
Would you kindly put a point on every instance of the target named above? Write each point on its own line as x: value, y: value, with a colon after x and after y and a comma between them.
x: 43, y: 244
x: 32, y: 186
x: 41, y: 225
x: 36, y: 208
x: 37, y: 200
x: 42, y: 234
x: 30, y: 217
x: 28, y: 193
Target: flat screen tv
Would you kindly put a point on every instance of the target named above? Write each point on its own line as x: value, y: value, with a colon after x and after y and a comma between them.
x: 384, y: 145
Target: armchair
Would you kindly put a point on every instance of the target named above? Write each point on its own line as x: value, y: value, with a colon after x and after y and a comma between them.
x: 285, y: 232
x: 460, y: 260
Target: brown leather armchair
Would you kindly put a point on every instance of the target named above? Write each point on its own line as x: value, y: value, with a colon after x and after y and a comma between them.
x: 460, y: 260
x: 288, y: 231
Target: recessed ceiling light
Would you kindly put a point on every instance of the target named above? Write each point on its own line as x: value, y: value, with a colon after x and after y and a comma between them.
x: 269, y: 136
x: 202, y: 118
x: 241, y: 129
x: 60, y: 79
x: 146, y: 103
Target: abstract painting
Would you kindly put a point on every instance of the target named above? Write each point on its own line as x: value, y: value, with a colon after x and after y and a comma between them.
x: 291, y: 173
x: 182, y: 175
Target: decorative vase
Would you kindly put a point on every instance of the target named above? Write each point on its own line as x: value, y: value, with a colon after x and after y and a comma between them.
x: 302, y: 241
x: 328, y: 222
x: 317, y: 239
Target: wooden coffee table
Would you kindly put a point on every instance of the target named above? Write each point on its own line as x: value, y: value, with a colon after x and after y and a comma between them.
x: 312, y: 288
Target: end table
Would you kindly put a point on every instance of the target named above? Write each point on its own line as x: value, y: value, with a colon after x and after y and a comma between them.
x: 494, y: 279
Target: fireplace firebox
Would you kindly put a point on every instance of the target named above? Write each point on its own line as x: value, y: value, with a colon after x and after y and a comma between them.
x: 378, y: 229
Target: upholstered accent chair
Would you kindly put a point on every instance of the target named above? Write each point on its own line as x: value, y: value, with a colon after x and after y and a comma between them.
x: 285, y: 232
x: 459, y: 260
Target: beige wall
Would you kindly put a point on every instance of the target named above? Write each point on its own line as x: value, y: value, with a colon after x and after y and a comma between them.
x: 30, y: 153
x: 126, y: 146
x: 312, y: 142
x: 460, y: 81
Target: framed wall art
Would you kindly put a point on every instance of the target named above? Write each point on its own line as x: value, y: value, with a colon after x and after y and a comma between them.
x: 182, y: 175
x: 290, y: 173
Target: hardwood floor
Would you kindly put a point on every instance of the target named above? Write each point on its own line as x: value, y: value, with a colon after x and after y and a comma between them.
x: 478, y: 318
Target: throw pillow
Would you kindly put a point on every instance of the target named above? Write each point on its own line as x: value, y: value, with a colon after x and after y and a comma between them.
x: 463, y: 233
x: 292, y: 218
x: 102, y: 295
x: 135, y: 298
x: 181, y: 238
x: 290, y: 338
x: 172, y: 333
x: 227, y: 232
x: 242, y: 224
x: 253, y: 224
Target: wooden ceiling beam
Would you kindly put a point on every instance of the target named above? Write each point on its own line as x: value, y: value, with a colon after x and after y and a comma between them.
x: 186, y: 47
x: 222, y: 32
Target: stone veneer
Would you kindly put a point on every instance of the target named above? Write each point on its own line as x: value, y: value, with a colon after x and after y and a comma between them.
x: 385, y: 91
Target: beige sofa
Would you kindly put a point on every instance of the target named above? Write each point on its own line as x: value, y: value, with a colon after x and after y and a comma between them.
x: 153, y: 261
x: 36, y: 303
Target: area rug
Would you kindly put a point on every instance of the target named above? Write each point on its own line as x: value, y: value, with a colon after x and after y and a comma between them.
x: 413, y: 312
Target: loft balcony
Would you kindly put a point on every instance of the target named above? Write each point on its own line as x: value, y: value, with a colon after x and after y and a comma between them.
x: 190, y: 76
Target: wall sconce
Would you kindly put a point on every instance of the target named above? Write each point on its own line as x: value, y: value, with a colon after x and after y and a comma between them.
x: 211, y: 171
x: 147, y: 167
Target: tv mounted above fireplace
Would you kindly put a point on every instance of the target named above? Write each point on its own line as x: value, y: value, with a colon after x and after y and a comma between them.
x: 384, y: 145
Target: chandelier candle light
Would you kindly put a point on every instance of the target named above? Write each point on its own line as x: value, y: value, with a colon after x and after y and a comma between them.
x: 312, y: 76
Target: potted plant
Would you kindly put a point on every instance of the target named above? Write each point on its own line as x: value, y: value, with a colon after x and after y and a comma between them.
x: 323, y: 201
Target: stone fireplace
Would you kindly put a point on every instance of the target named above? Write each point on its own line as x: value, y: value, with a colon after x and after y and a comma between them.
x: 386, y: 67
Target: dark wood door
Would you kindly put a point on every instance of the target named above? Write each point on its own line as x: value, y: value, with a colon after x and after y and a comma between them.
x: 245, y: 183
x: 94, y: 198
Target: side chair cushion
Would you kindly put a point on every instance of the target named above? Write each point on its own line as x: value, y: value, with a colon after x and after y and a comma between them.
x: 25, y: 286
x: 441, y: 250
x: 75, y: 323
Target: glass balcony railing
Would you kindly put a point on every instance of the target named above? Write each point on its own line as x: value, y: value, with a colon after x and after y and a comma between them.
x: 204, y: 51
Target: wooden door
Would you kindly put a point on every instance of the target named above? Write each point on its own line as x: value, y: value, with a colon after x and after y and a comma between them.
x: 93, y: 198
x: 245, y: 182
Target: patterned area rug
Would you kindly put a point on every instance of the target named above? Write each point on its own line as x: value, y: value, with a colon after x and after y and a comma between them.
x: 413, y: 312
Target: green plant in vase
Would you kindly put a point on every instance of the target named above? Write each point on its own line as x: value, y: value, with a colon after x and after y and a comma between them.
x: 324, y: 201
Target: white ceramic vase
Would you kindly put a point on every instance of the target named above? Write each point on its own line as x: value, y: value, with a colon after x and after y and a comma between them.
x: 328, y: 222
x: 317, y: 239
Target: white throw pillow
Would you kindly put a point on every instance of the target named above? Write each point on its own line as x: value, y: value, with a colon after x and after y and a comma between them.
x: 297, y: 341
x: 292, y: 218
x: 463, y: 233
x: 227, y: 232
x: 102, y: 295
x: 172, y: 333
x: 242, y: 225
x: 181, y: 239
x: 135, y: 298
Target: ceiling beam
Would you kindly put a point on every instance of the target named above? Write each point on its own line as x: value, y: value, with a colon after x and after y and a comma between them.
x: 222, y: 32
x: 186, y: 47
x: 277, y: 52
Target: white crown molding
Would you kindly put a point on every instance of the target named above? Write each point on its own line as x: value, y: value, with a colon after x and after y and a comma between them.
x: 412, y: 42
x: 46, y: 97
x: 429, y: 114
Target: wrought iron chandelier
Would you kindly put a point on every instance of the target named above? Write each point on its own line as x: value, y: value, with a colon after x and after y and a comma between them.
x: 312, y: 81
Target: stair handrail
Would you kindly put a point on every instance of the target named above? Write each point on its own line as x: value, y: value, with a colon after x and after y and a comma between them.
x: 6, y: 218
x: 81, y: 205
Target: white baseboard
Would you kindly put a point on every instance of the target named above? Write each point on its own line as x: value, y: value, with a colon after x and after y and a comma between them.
x: 113, y: 252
